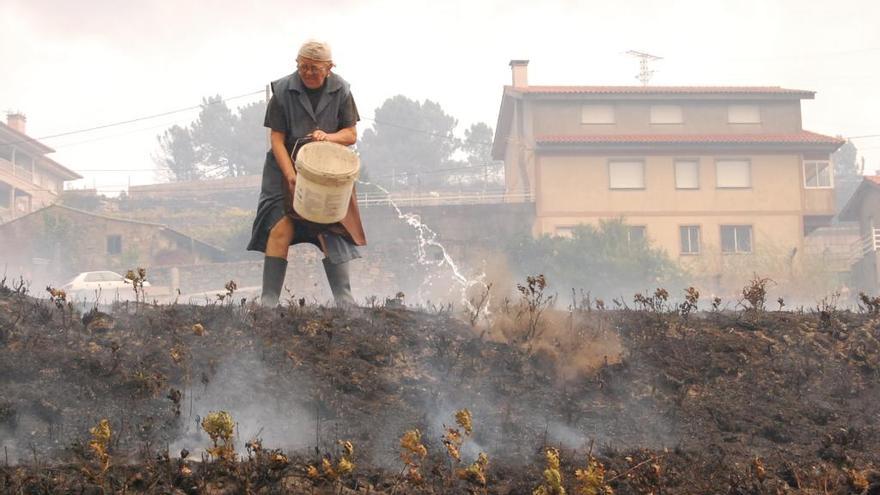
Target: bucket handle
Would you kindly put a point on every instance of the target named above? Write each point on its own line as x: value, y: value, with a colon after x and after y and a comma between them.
x: 304, y: 140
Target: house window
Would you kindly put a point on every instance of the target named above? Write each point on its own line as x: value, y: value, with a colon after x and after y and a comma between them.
x: 733, y: 174
x: 817, y: 174
x: 690, y: 239
x: 635, y: 234
x: 114, y: 244
x: 743, y: 114
x: 687, y: 174
x: 666, y: 114
x: 597, y: 114
x: 736, y: 239
x: 626, y: 174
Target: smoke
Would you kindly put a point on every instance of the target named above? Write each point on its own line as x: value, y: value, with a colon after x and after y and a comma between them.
x: 263, y: 404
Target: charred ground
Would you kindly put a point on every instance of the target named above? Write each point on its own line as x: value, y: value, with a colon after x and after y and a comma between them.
x: 669, y: 401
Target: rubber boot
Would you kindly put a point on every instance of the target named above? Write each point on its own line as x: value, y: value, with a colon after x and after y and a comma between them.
x: 340, y: 284
x: 274, y: 270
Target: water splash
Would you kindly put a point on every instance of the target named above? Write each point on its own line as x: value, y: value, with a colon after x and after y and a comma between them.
x: 427, y: 237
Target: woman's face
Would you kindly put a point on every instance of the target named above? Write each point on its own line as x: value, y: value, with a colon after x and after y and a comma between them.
x: 312, y: 72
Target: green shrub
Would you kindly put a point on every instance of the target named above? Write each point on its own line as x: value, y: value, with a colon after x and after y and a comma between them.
x: 600, y: 259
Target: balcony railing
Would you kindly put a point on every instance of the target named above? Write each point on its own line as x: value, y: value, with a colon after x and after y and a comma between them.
x: 844, y: 255
x: 867, y: 244
x: 24, y: 174
x: 438, y: 199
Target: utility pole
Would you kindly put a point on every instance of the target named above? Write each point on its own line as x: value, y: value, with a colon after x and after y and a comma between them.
x: 645, y: 72
x: 268, y: 131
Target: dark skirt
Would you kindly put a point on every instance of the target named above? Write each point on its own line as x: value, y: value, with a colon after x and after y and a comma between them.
x: 275, y: 204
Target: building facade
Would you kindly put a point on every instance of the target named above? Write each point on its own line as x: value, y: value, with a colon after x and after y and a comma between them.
x: 56, y: 242
x: 29, y: 180
x: 705, y: 173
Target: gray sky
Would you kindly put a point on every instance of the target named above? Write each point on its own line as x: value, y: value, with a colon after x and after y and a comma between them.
x: 74, y: 65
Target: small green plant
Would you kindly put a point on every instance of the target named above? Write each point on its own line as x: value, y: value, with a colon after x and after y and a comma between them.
x: 591, y: 480
x: 869, y: 304
x: 220, y: 427
x: 477, y: 304
x: 655, y: 303
x: 230, y: 287
x: 453, y: 438
x: 691, y: 300
x: 344, y: 466
x: 137, y: 278
x: 412, y: 453
x: 100, y: 443
x: 59, y: 298
x: 534, y: 301
x: 552, y: 482
x: 755, y: 293
x: 475, y: 474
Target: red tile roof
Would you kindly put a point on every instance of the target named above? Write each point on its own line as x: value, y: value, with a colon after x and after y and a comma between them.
x: 683, y: 90
x: 802, y: 137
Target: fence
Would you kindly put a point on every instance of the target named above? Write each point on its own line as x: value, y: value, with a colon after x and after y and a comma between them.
x: 439, y: 199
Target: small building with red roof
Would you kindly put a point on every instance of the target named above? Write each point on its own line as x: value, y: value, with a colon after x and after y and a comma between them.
x: 864, y: 207
x: 709, y: 174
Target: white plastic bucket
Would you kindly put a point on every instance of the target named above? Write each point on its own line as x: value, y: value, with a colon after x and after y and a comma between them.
x: 325, y: 175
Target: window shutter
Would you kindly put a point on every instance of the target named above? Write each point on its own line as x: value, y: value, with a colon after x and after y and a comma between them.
x: 626, y: 175
x: 597, y: 114
x: 733, y: 173
x: 687, y: 174
x: 666, y: 114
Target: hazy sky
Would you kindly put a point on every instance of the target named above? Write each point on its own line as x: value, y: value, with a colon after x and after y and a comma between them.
x: 74, y: 65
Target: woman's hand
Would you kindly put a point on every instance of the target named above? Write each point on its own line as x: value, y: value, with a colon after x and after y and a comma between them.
x: 318, y: 135
x: 345, y: 137
x: 290, y: 179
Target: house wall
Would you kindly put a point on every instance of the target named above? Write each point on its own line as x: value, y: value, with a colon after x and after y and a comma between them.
x: 579, y: 185
x: 575, y: 189
x: 634, y: 117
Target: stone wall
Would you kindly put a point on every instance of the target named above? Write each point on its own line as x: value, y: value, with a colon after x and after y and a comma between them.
x: 392, y: 261
x: 305, y: 277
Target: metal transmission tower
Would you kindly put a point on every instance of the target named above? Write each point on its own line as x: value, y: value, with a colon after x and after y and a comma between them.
x: 645, y: 72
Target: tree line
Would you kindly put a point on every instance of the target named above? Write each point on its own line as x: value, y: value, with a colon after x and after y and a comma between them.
x: 407, y: 145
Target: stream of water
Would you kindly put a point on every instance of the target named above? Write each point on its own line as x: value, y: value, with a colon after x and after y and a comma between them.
x: 428, y: 238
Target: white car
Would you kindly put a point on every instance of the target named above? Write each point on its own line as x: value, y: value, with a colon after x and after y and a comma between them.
x: 103, y: 287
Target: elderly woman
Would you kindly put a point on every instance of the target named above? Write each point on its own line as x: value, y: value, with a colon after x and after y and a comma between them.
x: 312, y: 104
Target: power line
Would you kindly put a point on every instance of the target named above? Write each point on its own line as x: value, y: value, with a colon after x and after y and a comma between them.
x: 133, y: 120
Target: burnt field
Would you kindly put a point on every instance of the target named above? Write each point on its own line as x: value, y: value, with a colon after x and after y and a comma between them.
x: 652, y: 398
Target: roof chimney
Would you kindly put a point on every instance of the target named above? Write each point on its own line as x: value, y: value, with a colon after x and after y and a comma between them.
x: 520, y: 71
x: 17, y: 121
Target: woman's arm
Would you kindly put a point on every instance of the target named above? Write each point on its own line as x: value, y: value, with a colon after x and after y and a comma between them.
x: 281, y: 156
x: 346, y: 136
x: 276, y: 138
